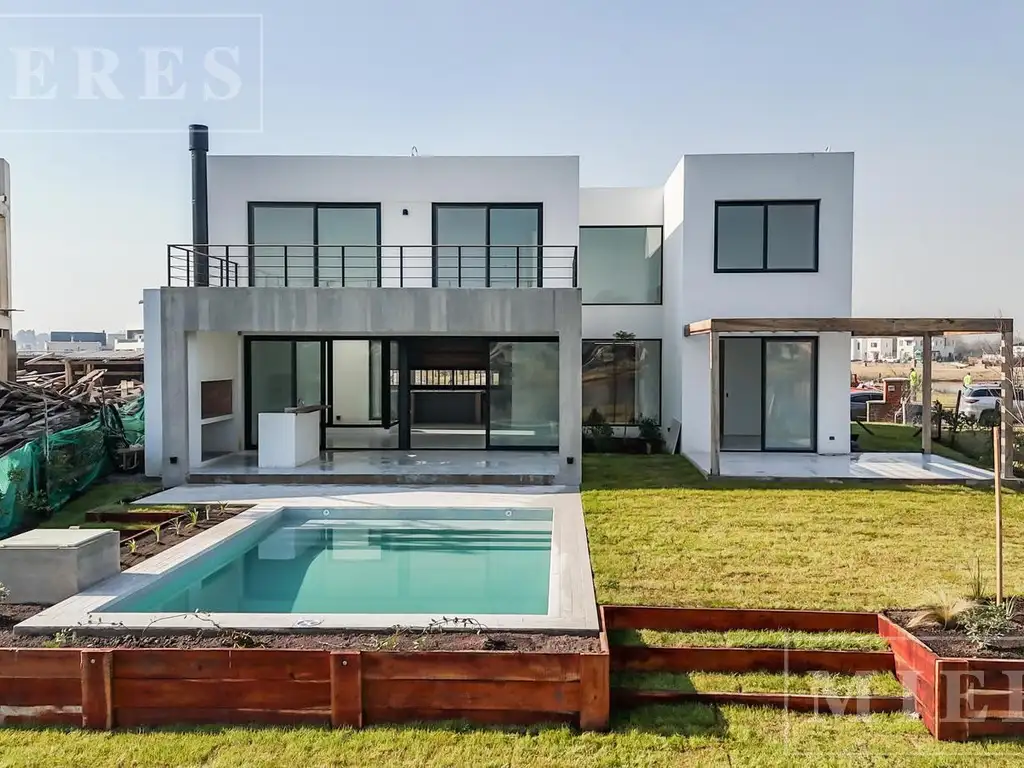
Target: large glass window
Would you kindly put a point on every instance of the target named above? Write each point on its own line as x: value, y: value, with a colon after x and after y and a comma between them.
x: 478, y: 246
x: 326, y: 244
x: 620, y: 265
x: 621, y: 381
x: 524, y: 394
x: 777, y: 236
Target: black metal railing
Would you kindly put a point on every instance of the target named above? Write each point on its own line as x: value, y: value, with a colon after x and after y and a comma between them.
x: 373, y: 266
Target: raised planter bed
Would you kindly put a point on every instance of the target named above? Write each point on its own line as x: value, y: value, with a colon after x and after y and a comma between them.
x: 960, y: 698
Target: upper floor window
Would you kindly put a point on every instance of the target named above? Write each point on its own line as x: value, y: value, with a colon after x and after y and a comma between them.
x: 620, y: 265
x: 766, y: 236
x: 325, y: 244
x: 485, y: 246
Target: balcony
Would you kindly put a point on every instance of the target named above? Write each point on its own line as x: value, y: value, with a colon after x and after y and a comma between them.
x: 373, y: 266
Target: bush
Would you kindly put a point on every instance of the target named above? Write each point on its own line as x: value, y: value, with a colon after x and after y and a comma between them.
x: 988, y: 620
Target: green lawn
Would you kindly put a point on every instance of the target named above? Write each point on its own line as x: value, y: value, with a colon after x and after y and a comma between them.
x: 972, y: 446
x: 100, y: 495
x: 659, y: 534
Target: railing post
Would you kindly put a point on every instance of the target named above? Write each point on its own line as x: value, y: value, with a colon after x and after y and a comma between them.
x: 169, y: 247
x: 286, y: 266
x: 380, y: 265
x: 517, y: 266
x: 487, y: 265
x: 575, y: 275
x: 401, y: 266
x: 316, y: 265
x: 343, y: 275
x: 459, y: 262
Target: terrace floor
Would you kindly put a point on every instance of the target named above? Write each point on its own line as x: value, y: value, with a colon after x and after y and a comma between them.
x: 424, y: 467
x: 881, y: 467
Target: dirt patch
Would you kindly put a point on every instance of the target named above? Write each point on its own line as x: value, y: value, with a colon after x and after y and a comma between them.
x: 955, y: 644
x: 147, y: 543
x: 407, y: 640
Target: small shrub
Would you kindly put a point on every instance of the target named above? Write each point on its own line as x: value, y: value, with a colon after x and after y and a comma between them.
x: 650, y: 429
x: 988, y: 620
x: 942, y: 611
x: 133, y: 546
x: 193, y: 518
x: 600, y: 431
x: 976, y: 584
x: 176, y: 525
x: 61, y: 639
x: 156, y: 533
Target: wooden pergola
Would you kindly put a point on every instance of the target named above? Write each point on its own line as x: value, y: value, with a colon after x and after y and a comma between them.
x: 926, y: 328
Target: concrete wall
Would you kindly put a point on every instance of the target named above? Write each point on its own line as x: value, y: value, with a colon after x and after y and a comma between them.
x: 214, y: 357
x: 399, y: 185
x: 545, y: 312
x: 152, y: 362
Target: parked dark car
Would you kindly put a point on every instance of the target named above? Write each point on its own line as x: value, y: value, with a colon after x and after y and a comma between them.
x: 859, y: 402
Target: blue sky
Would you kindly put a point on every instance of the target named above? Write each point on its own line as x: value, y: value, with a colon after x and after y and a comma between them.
x: 929, y: 94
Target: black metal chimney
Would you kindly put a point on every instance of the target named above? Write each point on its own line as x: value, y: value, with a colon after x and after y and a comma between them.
x: 199, y: 145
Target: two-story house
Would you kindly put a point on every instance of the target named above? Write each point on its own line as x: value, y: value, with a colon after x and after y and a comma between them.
x: 491, y: 304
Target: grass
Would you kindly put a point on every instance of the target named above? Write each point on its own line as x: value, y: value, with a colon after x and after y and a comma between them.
x: 815, y: 641
x: 660, y: 534
x: 100, y: 495
x: 880, y: 683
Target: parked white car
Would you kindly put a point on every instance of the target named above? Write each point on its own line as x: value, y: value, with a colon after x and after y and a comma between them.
x: 982, y: 401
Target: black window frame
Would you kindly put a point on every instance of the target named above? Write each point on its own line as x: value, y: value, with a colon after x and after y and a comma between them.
x: 661, y: 266
x: 539, y: 207
x: 661, y: 376
x: 765, y: 205
x: 316, y: 244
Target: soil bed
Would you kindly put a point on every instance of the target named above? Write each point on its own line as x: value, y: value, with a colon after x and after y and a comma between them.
x: 148, y: 544
x: 406, y: 640
x: 955, y: 644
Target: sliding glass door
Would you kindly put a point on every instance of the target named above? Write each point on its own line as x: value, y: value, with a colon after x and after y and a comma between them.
x: 493, y: 245
x: 769, y: 394
x: 523, y: 395
x: 789, y: 395
x: 280, y: 373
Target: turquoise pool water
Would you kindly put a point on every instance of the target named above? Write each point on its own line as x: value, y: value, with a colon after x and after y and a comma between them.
x: 453, y: 562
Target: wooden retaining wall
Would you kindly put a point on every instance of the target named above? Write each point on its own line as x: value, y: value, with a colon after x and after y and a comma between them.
x: 633, y: 658
x: 109, y: 688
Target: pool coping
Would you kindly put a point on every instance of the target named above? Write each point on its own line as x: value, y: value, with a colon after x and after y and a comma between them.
x: 572, y: 605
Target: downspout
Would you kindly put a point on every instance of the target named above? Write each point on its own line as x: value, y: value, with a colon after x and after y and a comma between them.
x: 199, y: 145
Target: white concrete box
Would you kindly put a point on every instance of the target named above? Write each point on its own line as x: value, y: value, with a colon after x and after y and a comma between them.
x: 46, y: 566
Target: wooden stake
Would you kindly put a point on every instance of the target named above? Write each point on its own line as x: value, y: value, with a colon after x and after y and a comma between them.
x: 997, y: 481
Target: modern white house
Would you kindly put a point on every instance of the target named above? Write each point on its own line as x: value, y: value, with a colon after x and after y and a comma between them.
x: 904, y: 349
x: 491, y: 305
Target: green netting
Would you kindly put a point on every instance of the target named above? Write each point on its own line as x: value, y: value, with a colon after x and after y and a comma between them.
x: 19, y: 478
x: 38, y: 478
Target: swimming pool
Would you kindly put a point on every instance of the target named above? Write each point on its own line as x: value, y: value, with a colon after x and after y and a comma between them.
x: 397, y: 561
x: 362, y: 559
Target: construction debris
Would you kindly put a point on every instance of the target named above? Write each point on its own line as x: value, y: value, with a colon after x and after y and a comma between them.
x: 43, y: 403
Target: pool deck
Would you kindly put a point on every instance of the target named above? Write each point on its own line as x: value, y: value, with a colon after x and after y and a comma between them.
x: 572, y: 607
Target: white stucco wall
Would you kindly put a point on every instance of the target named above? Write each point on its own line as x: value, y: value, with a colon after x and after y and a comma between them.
x: 816, y: 176
x: 152, y: 361
x: 673, y: 349
x: 400, y: 184
x: 704, y: 294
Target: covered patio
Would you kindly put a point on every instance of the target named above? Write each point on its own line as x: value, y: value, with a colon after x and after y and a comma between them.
x: 884, y: 466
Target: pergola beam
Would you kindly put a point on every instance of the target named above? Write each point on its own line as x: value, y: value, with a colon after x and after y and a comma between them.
x: 858, y: 326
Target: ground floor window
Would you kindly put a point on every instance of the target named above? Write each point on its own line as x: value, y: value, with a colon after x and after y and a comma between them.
x: 410, y: 393
x: 621, y: 381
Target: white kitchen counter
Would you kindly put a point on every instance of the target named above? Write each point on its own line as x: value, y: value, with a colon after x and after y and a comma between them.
x: 289, y: 439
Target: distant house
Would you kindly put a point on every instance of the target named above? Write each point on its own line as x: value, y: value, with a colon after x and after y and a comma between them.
x: 76, y: 341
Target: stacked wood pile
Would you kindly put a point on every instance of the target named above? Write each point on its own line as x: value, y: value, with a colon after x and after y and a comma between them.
x: 28, y: 412
x: 89, y: 388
